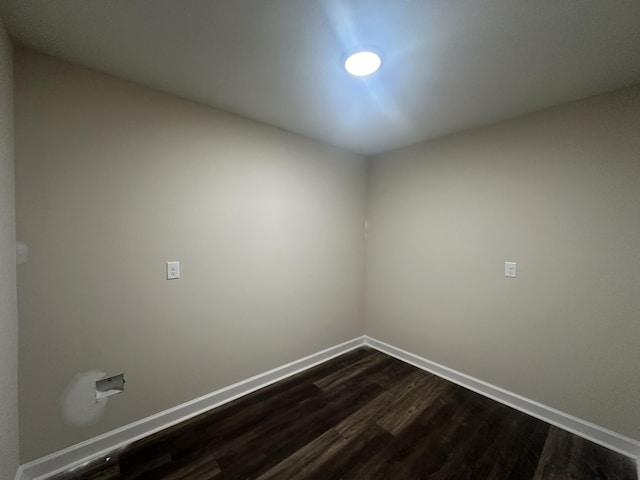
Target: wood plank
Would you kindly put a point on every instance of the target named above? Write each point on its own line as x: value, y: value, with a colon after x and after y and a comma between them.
x: 363, y: 415
x: 309, y: 458
x: 567, y: 456
x: 281, y: 436
x: 337, y: 378
x: 405, y: 411
x: 198, y: 465
x: 381, y: 405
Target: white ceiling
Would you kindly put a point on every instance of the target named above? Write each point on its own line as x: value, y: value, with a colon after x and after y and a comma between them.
x: 447, y: 64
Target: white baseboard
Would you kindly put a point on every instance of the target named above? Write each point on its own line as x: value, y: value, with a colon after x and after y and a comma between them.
x: 96, y: 447
x: 607, y: 438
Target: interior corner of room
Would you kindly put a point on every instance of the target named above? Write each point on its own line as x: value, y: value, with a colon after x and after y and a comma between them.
x: 114, y: 179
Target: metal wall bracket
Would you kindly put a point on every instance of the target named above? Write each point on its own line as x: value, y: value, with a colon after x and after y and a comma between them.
x: 110, y: 386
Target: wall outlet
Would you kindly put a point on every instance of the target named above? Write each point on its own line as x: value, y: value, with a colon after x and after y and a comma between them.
x: 510, y: 269
x: 173, y: 270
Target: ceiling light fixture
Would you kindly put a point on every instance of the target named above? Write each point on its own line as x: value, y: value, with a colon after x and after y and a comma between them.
x: 363, y: 63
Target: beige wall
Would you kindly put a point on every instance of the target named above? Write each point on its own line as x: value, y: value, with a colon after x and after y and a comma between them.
x: 8, y: 307
x: 559, y: 193
x: 113, y: 180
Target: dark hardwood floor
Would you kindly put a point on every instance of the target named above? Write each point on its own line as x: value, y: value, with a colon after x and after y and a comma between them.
x: 363, y: 415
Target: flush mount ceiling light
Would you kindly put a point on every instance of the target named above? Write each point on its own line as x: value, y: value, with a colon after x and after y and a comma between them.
x: 363, y: 63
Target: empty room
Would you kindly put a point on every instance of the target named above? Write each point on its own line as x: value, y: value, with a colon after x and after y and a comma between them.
x: 319, y: 239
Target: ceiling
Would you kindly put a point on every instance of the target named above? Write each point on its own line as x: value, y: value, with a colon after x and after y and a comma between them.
x: 448, y: 65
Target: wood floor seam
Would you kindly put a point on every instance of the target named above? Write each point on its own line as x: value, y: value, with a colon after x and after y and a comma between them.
x: 363, y: 415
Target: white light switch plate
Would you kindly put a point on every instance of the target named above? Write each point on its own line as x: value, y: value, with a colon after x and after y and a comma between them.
x: 510, y: 269
x: 173, y: 270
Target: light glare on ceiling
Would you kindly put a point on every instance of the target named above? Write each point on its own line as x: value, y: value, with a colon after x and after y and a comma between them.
x: 361, y: 64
